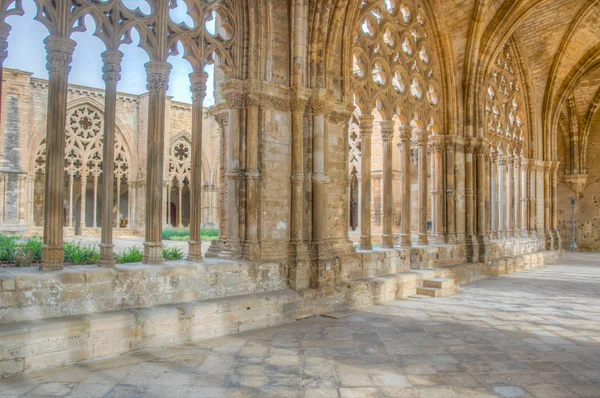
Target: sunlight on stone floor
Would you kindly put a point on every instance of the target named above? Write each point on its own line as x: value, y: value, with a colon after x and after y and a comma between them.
x: 529, y: 334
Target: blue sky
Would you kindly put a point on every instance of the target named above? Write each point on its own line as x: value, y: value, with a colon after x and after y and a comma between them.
x: 26, y: 52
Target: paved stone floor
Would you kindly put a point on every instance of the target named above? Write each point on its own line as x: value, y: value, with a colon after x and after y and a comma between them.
x: 534, y: 333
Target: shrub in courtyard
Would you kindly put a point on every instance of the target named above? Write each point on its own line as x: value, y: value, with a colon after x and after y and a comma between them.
x: 8, y: 248
x: 133, y: 254
x: 172, y: 253
x: 29, y: 252
x: 81, y: 254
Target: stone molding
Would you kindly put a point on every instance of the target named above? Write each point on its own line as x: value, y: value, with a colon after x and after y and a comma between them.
x: 198, y: 86
x: 60, y: 54
x: 111, y: 69
x: 157, y: 76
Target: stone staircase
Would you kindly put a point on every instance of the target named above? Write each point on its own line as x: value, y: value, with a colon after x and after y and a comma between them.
x: 437, y: 287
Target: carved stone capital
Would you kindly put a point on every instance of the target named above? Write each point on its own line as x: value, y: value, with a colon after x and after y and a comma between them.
x: 387, y: 129
x: 436, y: 144
x: 366, y: 124
x: 222, y: 119
x: 234, y: 100
x: 111, y: 68
x: 318, y: 106
x: 198, y: 86
x: 157, y: 76
x: 59, y: 54
x: 339, y: 117
x: 420, y: 138
x: 298, y: 104
x: 405, y: 134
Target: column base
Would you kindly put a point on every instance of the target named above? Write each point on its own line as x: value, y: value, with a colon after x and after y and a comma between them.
x: 107, y: 257
x: 557, y: 240
x: 404, y: 241
x: 299, y: 265
x: 422, y: 239
x: 437, y: 239
x: 549, y: 239
x: 484, y: 249
x: 365, y: 243
x: 387, y: 242
x: 472, y: 248
x: 194, y: 251
x: 153, y: 253
x: 251, y: 250
x: 53, y: 258
x: 451, y: 239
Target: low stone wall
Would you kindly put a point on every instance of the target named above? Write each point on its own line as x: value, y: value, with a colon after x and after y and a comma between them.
x: 29, y: 345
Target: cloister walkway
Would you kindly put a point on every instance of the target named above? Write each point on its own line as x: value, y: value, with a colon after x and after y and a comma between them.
x: 534, y: 333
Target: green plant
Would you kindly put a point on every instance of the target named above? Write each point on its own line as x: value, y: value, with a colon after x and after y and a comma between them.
x: 172, y: 253
x: 29, y: 252
x: 81, y: 254
x: 170, y: 233
x: 133, y: 254
x: 8, y: 248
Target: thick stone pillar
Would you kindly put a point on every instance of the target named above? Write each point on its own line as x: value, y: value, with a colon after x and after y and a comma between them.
x: 387, y: 135
x: 298, y: 249
x: 198, y: 86
x: 525, y: 165
x: 547, y: 206
x: 252, y: 175
x: 470, y: 209
x: 494, y: 189
x: 111, y: 76
x: 60, y: 50
x: 436, y: 148
x: 510, y: 186
x: 502, y: 196
x: 366, y: 130
x: 421, y: 142
x: 405, y: 136
x: 450, y: 180
x: 158, y: 82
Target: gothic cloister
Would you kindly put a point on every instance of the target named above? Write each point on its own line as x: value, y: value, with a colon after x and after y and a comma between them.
x: 363, y: 158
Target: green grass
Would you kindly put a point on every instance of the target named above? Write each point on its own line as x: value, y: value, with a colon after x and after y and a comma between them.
x: 183, y: 234
x: 133, y: 254
x: 172, y: 253
x: 81, y: 254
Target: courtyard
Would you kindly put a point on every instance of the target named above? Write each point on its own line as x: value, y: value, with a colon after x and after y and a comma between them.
x: 530, y: 334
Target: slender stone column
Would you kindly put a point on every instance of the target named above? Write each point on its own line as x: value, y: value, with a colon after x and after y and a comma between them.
x: 470, y: 216
x: 436, y: 147
x: 198, y: 86
x: 366, y: 130
x: 554, y: 215
x: 3, y: 179
x: 320, y: 178
x: 60, y: 50
x: 111, y: 76
x: 158, y: 79
x: 547, y: 206
x: 22, y: 182
x: 252, y: 174
x: 517, y: 194
x: 421, y: 141
x: 168, y: 211
x: 179, y: 220
x: 482, y: 150
x: 494, y: 188
x: 404, y: 144
x: 524, y: 191
x: 532, y: 198
x: 450, y: 179
x: 501, y: 196
x: 510, y: 211
x: 95, y: 223
x: 71, y: 180
x: 83, y: 199
x: 299, y: 104
x: 118, y: 217
x: 387, y: 135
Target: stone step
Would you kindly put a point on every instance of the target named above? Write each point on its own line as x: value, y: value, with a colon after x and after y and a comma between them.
x: 440, y: 283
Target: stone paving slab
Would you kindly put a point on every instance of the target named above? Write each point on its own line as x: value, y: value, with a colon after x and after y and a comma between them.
x: 529, y: 334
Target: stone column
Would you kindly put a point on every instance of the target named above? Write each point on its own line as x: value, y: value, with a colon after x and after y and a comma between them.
x: 524, y: 191
x: 494, y: 189
x: 178, y: 216
x: 22, y: 198
x: 421, y: 141
x: 166, y: 221
x: 554, y: 215
x: 168, y: 211
x: 547, y: 206
x: 297, y: 244
x: 501, y: 196
x: 198, y: 86
x: 71, y: 180
x: 118, y: 217
x: 471, y: 239
x: 251, y: 247
x: 482, y: 151
x: 517, y: 194
x: 95, y: 223
x: 450, y: 179
x: 235, y: 101
x: 532, y: 198
x: 320, y: 178
x: 158, y: 81
x: 510, y: 186
x: 83, y: 197
x: 366, y: 130
x: 60, y: 50
x: 111, y: 76
x: 436, y: 147
x: 387, y: 135
x: 404, y: 144
x: 3, y: 179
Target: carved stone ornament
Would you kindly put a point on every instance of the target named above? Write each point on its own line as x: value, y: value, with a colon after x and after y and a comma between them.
x: 111, y: 70
x: 319, y: 107
x: 234, y: 100
x: 158, y: 75
x: 59, y: 54
x: 198, y: 86
x: 298, y: 105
